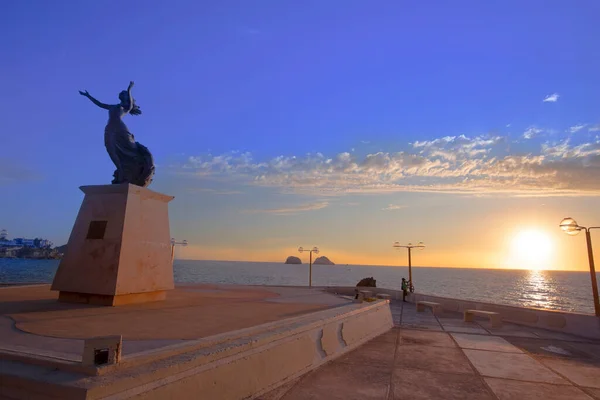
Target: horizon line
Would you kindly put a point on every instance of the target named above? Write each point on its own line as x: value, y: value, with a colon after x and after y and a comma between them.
x: 393, y: 266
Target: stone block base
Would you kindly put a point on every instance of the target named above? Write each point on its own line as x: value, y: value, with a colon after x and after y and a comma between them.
x: 111, y: 300
x: 120, y: 250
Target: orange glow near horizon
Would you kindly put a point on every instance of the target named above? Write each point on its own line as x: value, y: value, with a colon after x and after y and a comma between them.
x: 495, y: 232
x: 531, y: 243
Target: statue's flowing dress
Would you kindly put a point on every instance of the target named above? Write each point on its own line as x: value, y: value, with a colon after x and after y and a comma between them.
x: 133, y: 160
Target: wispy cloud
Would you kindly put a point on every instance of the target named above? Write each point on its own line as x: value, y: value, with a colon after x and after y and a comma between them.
x: 215, y: 191
x: 577, y: 128
x: 393, y: 207
x: 291, y: 210
x: 551, y: 98
x: 450, y: 164
x: 452, y: 148
x: 595, y: 128
x: 531, y: 132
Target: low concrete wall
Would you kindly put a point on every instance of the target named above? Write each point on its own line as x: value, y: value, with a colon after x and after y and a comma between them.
x: 236, y: 365
x: 584, y: 325
x: 351, y: 291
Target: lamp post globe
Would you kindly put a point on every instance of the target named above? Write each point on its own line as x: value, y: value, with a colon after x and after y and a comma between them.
x: 569, y: 226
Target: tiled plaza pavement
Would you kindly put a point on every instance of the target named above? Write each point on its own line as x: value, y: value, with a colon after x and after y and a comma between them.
x: 429, y: 357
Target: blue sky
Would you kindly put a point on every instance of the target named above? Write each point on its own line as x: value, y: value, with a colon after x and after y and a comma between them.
x: 227, y: 88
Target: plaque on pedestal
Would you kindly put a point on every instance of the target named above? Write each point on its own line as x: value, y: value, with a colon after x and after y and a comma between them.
x: 119, y: 251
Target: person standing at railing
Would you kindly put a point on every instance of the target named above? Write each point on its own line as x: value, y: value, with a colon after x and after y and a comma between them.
x: 404, y: 289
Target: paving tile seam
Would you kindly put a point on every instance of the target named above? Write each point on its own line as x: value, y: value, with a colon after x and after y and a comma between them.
x: 536, y: 382
x: 568, y: 382
x: 390, y: 389
x: 373, y: 364
x: 304, y: 377
x: 475, y: 370
x: 428, y: 345
x: 536, y: 336
x: 582, y: 340
x: 494, y: 351
x: 591, y: 395
x: 421, y: 329
x: 480, y: 378
x: 476, y: 334
x: 450, y: 373
x: 399, y: 307
x: 488, y: 333
x: 538, y: 359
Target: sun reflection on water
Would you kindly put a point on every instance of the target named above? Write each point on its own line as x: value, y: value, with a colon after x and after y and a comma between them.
x: 540, y: 290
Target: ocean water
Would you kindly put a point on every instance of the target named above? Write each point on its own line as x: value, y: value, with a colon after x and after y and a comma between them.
x: 558, y: 290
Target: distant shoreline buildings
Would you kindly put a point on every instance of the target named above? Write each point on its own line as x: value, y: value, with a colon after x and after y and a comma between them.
x: 25, y: 247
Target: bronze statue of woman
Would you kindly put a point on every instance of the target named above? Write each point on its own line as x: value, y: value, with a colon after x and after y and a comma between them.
x: 134, y: 162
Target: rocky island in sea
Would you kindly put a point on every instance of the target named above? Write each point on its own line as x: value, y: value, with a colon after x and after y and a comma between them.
x: 323, y: 261
x: 293, y: 260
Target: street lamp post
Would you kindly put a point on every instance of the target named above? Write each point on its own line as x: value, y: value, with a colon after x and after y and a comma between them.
x: 176, y: 243
x: 570, y: 227
x: 409, y: 247
x: 311, y: 251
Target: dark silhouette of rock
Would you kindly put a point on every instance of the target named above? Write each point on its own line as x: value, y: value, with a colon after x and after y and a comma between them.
x: 367, y: 282
x: 293, y: 260
x: 323, y: 261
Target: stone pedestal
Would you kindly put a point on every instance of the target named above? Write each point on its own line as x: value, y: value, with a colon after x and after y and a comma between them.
x: 119, y: 251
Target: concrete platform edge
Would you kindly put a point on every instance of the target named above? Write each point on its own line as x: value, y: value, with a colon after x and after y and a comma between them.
x: 259, y: 360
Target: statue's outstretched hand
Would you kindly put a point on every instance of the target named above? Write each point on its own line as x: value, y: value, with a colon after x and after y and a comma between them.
x: 130, y: 84
x: 84, y: 93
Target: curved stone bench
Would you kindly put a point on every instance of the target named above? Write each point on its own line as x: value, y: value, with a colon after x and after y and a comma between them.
x: 494, y: 317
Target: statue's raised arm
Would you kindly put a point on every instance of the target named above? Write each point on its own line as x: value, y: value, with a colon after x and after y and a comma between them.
x: 93, y: 100
x: 131, y: 102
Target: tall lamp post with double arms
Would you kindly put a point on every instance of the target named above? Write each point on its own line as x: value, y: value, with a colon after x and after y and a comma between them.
x: 570, y: 227
x: 311, y: 251
x: 409, y: 247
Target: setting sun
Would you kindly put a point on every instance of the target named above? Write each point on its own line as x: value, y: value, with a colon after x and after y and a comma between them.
x: 531, y: 249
